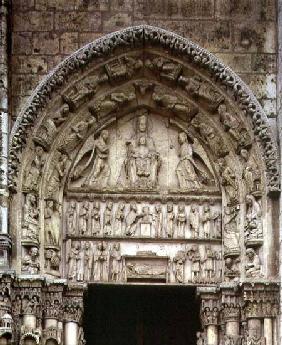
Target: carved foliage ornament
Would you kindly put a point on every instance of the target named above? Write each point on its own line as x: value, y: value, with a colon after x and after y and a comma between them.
x: 146, y: 36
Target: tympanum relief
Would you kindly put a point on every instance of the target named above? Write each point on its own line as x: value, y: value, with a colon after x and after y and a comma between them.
x: 142, y: 162
x: 144, y: 168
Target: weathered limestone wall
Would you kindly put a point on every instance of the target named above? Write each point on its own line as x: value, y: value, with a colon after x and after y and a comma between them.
x: 240, y: 32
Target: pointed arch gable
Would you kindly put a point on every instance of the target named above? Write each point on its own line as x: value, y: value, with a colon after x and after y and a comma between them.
x: 142, y: 37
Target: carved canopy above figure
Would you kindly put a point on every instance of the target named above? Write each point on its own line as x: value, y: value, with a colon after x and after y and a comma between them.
x: 141, y: 156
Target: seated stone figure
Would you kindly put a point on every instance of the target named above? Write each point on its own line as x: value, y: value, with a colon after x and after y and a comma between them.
x: 142, y: 163
x: 253, y: 266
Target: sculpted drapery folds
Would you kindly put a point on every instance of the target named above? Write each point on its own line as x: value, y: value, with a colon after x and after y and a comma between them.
x: 155, y: 167
x: 190, y: 174
x: 142, y: 163
x: 95, y: 171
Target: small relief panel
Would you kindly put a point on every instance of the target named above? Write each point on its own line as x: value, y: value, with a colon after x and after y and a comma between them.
x: 108, y: 217
x: 124, y: 261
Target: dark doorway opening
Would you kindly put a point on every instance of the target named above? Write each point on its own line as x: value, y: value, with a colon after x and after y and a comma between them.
x: 141, y: 315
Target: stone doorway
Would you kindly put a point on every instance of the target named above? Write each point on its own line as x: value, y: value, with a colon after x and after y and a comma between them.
x: 141, y: 315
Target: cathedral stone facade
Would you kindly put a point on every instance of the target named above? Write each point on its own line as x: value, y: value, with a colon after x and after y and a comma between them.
x: 141, y: 159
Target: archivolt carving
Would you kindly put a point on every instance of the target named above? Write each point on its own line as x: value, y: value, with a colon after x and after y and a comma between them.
x: 124, y: 68
x: 144, y: 167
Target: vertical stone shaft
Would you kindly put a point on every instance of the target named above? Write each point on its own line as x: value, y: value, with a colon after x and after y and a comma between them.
x: 212, y: 335
x: 71, y: 333
x: 267, y: 327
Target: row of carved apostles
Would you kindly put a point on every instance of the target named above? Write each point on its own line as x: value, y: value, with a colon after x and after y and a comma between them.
x: 159, y: 221
x: 103, y: 261
x: 135, y: 220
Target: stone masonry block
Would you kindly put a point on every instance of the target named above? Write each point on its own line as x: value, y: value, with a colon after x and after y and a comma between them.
x: 78, y: 21
x: 240, y: 63
x: 170, y: 9
x: 33, y: 21
x: 68, y: 42
x: 23, y: 84
x: 87, y: 37
x: 116, y: 22
x: 251, y: 37
x: 46, y: 43
x: 29, y: 64
x: 264, y: 63
x: 262, y: 85
x: 245, y: 9
x: 22, y: 43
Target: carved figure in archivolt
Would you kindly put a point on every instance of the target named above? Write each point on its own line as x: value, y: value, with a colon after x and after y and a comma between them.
x: 131, y: 220
x: 33, y: 175
x: 235, y: 128
x: 52, y: 223
x: 167, y: 68
x: 194, y: 221
x: 158, y: 220
x: 181, y: 220
x: 201, y: 89
x: 122, y: 69
x: 252, y: 178
x: 169, y: 101
x: 54, y: 182
x: 116, y: 262
x: 170, y: 220
x: 30, y: 262
x: 253, y: 265
x: 231, y: 270
x: 108, y: 218
x: 190, y: 173
x: 142, y: 163
x: 211, y: 138
x: 46, y: 133
x: 93, y: 167
x: 84, y: 88
x: 101, y: 262
x: 75, y: 135
x: 71, y: 218
x: 83, y: 218
x: 88, y: 261
x: 231, y: 237
x: 113, y: 101
x: 30, y: 218
x: 229, y: 122
x: 253, y: 226
x: 60, y: 117
x: 229, y: 181
x: 120, y: 220
x: 52, y: 259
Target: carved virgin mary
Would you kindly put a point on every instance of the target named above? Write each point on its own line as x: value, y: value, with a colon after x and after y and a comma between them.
x: 142, y: 163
